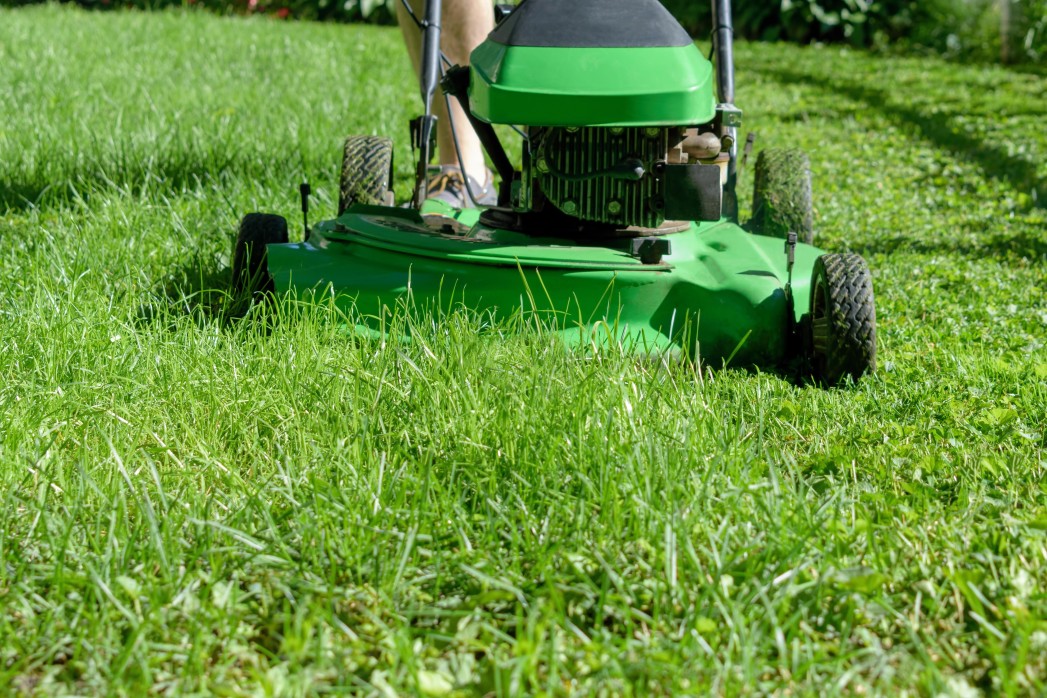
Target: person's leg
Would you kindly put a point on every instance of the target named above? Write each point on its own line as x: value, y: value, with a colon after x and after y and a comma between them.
x: 465, y: 24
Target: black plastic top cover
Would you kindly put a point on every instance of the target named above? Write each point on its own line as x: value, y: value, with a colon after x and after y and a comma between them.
x: 590, y: 24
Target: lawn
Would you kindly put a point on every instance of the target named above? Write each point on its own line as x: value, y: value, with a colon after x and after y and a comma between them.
x: 197, y: 505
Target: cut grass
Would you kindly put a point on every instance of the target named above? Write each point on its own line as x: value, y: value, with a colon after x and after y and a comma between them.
x: 198, y: 506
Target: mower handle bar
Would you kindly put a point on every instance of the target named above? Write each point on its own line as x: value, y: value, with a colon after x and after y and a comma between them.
x: 430, y: 68
x: 723, y: 46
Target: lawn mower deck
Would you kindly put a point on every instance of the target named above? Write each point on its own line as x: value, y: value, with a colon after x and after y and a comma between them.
x: 711, y: 289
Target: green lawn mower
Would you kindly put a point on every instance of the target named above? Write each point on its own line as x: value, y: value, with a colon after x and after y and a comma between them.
x: 621, y: 222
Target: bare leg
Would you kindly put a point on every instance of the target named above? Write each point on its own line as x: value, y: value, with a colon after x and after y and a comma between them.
x: 465, y: 24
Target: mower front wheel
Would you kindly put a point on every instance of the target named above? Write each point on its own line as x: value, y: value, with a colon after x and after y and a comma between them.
x: 250, y: 268
x: 842, y: 319
x: 367, y: 172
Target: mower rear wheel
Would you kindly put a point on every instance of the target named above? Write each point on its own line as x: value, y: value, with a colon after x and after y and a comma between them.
x: 250, y: 271
x: 367, y: 172
x: 782, y: 201
x: 842, y: 319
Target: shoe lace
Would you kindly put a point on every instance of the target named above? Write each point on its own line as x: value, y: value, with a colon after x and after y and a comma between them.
x: 450, y: 181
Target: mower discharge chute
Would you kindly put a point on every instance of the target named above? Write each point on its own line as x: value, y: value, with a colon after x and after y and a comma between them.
x: 621, y: 221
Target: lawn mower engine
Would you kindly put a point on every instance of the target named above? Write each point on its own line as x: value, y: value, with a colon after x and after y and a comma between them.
x: 623, y: 133
x: 627, y: 178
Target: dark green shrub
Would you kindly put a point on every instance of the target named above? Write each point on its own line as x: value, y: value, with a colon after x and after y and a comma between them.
x: 1031, y: 34
x: 969, y: 29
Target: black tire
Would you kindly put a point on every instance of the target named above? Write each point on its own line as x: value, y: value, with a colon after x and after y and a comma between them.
x: 782, y: 201
x: 250, y: 270
x: 842, y: 319
x: 367, y: 172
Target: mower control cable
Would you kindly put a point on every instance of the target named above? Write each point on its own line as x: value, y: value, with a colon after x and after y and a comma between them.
x: 750, y: 140
x: 414, y: 18
x: 422, y: 25
x: 454, y: 137
x: 712, y: 37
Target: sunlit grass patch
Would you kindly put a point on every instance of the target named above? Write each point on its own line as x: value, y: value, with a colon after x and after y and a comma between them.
x: 204, y: 501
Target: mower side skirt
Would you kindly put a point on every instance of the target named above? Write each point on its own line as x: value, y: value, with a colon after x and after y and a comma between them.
x: 719, y: 295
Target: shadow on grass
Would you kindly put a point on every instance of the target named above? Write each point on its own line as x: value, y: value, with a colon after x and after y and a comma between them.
x: 19, y: 197
x: 39, y: 190
x: 1001, y: 245
x: 994, y: 161
x: 59, y: 180
x: 199, y: 289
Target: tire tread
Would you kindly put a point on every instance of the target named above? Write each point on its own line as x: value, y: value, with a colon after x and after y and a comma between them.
x: 782, y: 198
x: 257, y: 231
x: 367, y: 163
x: 850, y: 322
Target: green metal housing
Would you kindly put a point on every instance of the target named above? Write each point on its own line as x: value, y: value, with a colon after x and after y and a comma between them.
x: 715, y: 291
x: 720, y: 294
x: 551, y: 86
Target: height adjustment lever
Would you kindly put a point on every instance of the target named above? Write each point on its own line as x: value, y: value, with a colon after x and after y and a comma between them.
x: 790, y: 260
x: 423, y: 139
x: 304, y: 190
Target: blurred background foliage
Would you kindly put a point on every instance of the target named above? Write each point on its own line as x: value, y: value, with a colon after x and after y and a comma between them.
x: 1010, y: 31
x: 985, y: 30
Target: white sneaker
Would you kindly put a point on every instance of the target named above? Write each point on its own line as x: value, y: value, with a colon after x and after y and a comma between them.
x: 448, y: 185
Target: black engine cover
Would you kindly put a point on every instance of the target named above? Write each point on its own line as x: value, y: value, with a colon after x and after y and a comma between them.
x: 590, y: 24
